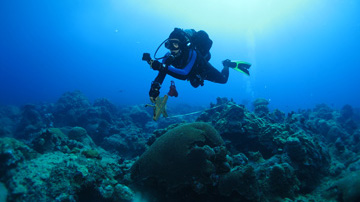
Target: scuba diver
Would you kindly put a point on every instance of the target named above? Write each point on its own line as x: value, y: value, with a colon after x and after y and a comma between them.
x: 188, y: 59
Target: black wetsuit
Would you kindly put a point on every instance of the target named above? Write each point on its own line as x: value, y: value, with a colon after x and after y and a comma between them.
x: 192, y: 66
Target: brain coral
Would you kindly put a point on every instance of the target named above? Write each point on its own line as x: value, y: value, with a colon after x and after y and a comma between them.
x: 181, y: 156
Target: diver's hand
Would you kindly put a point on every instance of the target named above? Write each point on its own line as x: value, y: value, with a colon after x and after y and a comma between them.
x: 146, y: 57
x: 153, y: 100
x: 154, y: 91
x: 156, y: 65
x: 154, y: 95
x: 169, y: 60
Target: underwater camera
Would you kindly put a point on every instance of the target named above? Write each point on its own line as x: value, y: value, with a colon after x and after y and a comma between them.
x: 146, y: 57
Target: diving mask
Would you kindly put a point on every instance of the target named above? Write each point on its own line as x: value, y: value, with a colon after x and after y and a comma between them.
x: 172, y: 44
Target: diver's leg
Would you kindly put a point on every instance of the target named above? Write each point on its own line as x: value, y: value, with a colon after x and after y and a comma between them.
x: 212, y: 74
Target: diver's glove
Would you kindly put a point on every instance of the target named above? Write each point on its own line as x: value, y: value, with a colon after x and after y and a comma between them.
x: 228, y: 63
x: 146, y: 57
x: 154, y: 90
x: 169, y: 60
x: 156, y: 65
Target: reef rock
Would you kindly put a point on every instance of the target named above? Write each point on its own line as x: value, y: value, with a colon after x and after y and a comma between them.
x: 69, y: 108
x: 31, y: 122
x: 127, y: 145
x: 310, y: 159
x: 79, y: 134
x: 9, y: 118
x: 346, y: 189
x: 68, y: 177
x: 241, y: 184
x: 261, y: 106
x: 244, y: 130
x: 183, y: 158
x: 64, y: 140
x: 138, y: 115
x: 13, y: 152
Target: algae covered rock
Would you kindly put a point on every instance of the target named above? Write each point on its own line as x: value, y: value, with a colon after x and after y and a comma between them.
x: 323, y: 111
x: 79, y: 134
x: 30, y: 122
x: 139, y: 115
x: 13, y: 152
x: 9, y: 117
x: 68, y: 177
x: 183, y: 157
x: 64, y: 140
x: 3, y: 192
x: 240, y: 183
x: 91, y: 153
x: 346, y: 188
x: 261, y: 106
x: 69, y: 108
x: 105, y: 103
x: 310, y: 159
x: 52, y: 139
x: 6, y: 127
x: 282, y: 180
x: 217, y: 111
x: 307, y: 151
x: 245, y: 131
x: 127, y: 145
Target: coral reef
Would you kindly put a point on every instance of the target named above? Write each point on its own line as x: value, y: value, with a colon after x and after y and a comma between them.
x: 9, y: 116
x: 75, y: 150
x: 67, y: 177
x: 241, y: 184
x: 349, y: 186
x: 79, y: 134
x: 13, y: 152
x: 30, y: 122
x: 69, y: 108
x: 261, y: 106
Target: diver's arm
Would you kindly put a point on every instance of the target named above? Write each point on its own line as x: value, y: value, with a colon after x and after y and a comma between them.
x: 160, y: 77
x: 156, y: 85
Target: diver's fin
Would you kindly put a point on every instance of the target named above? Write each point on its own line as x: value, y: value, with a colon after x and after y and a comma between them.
x: 241, y: 66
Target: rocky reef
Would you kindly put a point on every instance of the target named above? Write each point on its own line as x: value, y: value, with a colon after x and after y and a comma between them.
x: 75, y: 150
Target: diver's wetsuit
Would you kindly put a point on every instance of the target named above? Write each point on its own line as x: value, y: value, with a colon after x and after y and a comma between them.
x: 192, y: 66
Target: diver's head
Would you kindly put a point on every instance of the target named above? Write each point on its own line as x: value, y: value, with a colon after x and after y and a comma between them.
x: 173, y: 44
x: 177, y: 41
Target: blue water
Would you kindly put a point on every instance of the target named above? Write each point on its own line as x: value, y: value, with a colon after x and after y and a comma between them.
x: 303, y: 52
